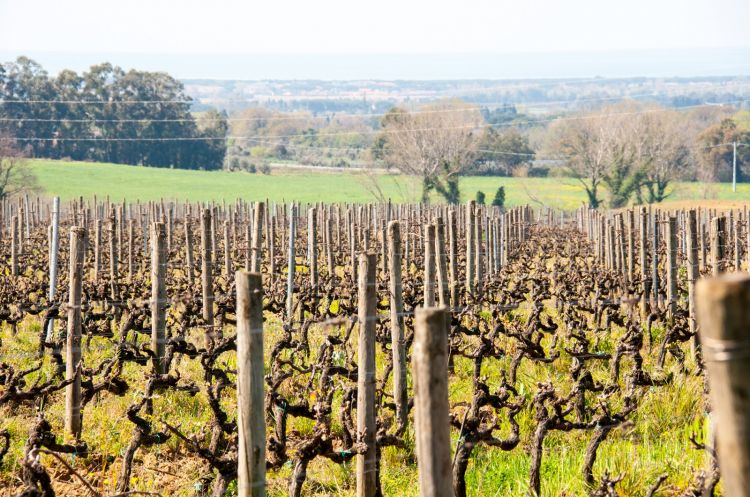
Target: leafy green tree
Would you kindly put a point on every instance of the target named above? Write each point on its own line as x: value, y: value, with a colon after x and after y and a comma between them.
x: 716, y: 153
x: 621, y: 176
x: 107, y: 114
x: 501, y: 152
x: 480, y: 197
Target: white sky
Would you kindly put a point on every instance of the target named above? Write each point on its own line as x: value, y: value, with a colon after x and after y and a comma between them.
x: 376, y: 26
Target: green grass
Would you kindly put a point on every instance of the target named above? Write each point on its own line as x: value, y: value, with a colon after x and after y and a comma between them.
x: 74, y: 179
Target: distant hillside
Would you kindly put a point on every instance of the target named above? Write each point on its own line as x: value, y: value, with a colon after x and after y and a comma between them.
x: 540, y: 96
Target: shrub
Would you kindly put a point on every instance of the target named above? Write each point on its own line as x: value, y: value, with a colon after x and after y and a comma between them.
x: 499, y: 200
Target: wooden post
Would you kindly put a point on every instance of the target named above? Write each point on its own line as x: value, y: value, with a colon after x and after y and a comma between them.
x: 702, y: 240
x: 350, y: 222
x: 432, y: 429
x: 207, y: 275
x: 442, y: 267
x: 97, y: 248
x: 54, y: 250
x: 14, y: 245
x: 330, y: 263
x: 631, y: 245
x: 645, y: 281
x: 672, y: 265
x: 257, y: 241
x: 227, y: 251
x: 73, y: 343
x: 478, y: 252
x: 158, y: 296
x: 470, y: 232
x: 291, y: 264
x: 251, y: 424
x: 312, y: 247
x: 113, y: 262
x: 429, y: 265
x: 718, y: 238
x: 366, y: 462
x: 453, y: 258
x: 692, y: 276
x: 271, y: 239
x: 736, y: 239
x: 655, y: 259
x: 131, y: 250
x: 188, y: 249
x: 398, y: 345
x: 723, y: 306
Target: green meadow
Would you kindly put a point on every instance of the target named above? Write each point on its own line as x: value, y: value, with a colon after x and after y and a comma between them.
x: 74, y: 179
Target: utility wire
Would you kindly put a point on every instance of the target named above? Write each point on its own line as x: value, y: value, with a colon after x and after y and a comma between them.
x: 361, y: 132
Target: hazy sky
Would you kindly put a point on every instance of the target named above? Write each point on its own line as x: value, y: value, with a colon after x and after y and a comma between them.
x: 386, y: 39
x: 377, y: 26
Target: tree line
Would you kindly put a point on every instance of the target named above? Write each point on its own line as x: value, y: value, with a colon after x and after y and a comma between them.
x: 630, y: 151
x: 107, y: 114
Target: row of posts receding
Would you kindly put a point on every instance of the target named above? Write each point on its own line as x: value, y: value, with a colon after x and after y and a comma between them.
x: 646, y: 247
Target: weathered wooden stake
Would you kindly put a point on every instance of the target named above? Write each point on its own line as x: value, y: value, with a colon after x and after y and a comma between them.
x: 207, y: 276
x: 158, y: 296
x: 645, y: 281
x: 723, y: 306
x: 97, y: 248
x: 73, y: 343
x: 54, y: 251
x: 398, y: 345
x: 366, y: 462
x: 442, y: 267
x: 257, y: 242
x: 188, y: 249
x: 432, y: 429
x: 672, y: 265
x: 718, y: 239
x: 251, y: 424
x: 14, y: 246
x: 692, y: 276
x: 429, y: 265
x: 291, y: 264
x: 227, y: 250
x: 470, y: 255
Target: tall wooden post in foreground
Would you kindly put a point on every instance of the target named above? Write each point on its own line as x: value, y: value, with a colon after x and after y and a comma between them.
x: 429, y: 365
x: 251, y: 461
x: 723, y: 306
x: 366, y: 462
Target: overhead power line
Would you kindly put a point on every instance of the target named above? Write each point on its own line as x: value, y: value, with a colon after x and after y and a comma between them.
x: 363, y: 132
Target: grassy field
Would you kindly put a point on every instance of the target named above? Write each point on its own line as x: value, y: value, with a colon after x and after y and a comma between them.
x: 74, y: 179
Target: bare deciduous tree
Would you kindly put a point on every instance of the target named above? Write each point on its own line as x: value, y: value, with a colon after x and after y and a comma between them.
x: 662, y: 151
x: 629, y: 148
x: 436, y: 144
x: 15, y: 175
x: 586, y: 142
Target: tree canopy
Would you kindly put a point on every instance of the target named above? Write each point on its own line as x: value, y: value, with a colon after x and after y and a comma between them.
x: 107, y: 114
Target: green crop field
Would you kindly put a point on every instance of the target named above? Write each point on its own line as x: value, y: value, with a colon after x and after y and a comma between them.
x: 74, y: 179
